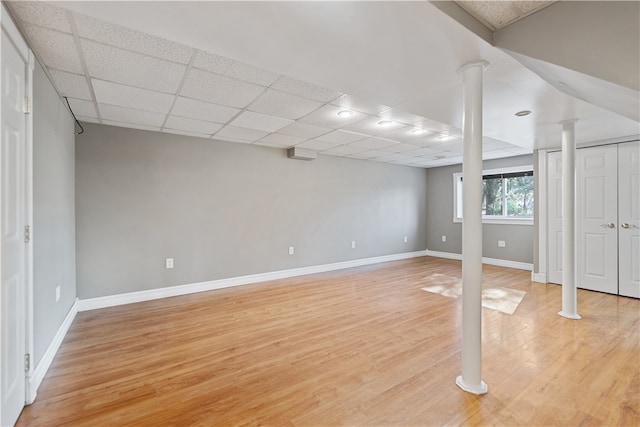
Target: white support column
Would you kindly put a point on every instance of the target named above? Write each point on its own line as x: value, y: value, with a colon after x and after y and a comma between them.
x: 569, y: 294
x: 471, y: 379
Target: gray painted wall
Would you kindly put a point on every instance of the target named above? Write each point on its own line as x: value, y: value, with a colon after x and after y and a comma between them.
x: 54, y: 262
x: 224, y: 210
x: 518, y: 238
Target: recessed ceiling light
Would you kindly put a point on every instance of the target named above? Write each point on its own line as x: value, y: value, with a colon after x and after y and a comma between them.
x: 345, y: 113
x: 418, y: 131
x: 385, y: 123
x: 523, y: 113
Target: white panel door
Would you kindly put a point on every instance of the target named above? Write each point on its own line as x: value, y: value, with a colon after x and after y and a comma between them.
x: 554, y: 191
x: 629, y: 217
x: 597, y: 214
x: 12, y: 222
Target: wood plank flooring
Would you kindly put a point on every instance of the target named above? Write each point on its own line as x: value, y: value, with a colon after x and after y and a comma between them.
x: 358, y: 347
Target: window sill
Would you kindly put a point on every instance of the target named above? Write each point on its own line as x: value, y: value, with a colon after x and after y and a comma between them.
x: 502, y: 221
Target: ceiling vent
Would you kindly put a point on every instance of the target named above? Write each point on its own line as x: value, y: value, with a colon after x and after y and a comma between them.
x: 301, y: 154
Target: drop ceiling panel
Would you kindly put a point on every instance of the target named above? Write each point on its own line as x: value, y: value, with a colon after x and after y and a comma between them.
x: 83, y: 108
x: 186, y: 133
x: 276, y: 103
x: 231, y: 68
x: 402, y: 147
x: 257, y: 121
x: 423, y: 152
x: 198, y: 126
x: 131, y: 97
x: 240, y: 134
x: 316, y: 144
x: 219, y: 90
x: 409, y: 134
x: 129, y: 115
x: 305, y: 90
x: 327, y: 116
x: 304, y: 130
x: 71, y: 85
x: 57, y: 50
x: 187, y: 107
x: 373, y: 143
x: 42, y: 14
x: 353, y: 103
x: 343, y: 150
x: 370, y: 126
x: 280, y: 140
x: 120, y: 66
x: 115, y: 35
x: 131, y: 125
x: 370, y: 154
x: 342, y: 137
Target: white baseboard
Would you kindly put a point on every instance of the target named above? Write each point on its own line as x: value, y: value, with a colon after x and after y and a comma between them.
x: 539, y: 277
x: 152, y: 294
x: 37, y: 375
x: 485, y: 260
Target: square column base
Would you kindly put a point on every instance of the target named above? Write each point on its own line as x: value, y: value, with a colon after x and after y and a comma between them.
x: 482, y: 389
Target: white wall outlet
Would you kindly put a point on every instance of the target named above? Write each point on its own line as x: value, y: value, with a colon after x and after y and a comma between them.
x: 405, y: 239
x: 501, y: 244
x: 353, y: 244
x: 168, y: 263
x: 291, y: 250
x: 444, y: 238
x: 57, y: 293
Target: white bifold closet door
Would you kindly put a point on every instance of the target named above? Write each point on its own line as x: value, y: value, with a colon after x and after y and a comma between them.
x: 608, y: 218
x: 629, y: 218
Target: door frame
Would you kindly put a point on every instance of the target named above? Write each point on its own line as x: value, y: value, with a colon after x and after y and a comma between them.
x: 10, y: 30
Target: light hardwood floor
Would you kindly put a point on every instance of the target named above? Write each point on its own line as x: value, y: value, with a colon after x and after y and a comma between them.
x: 359, y: 347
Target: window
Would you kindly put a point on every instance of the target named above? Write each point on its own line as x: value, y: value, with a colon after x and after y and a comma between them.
x: 507, y: 196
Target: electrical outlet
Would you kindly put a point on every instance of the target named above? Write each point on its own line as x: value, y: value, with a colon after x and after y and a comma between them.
x: 291, y: 250
x: 353, y: 244
x: 57, y: 293
x: 405, y: 239
x: 168, y: 263
x: 444, y: 238
x: 501, y: 244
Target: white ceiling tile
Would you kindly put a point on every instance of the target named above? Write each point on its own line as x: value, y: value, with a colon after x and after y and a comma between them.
x: 496, y: 154
x: 187, y: 107
x: 192, y: 125
x: 41, y: 13
x: 431, y: 125
x: 306, y: 90
x: 401, y: 147
x: 327, y: 116
x: 277, y: 139
x: 270, y: 145
x: 422, y: 152
x: 342, y: 137
x: 251, y: 120
x: 115, y: 35
x: 373, y: 143
x: 131, y: 97
x: 130, y: 125
x: 81, y: 107
x: 234, y: 140
x: 186, y: 133
x: 71, y: 85
x: 133, y: 69
x: 129, y: 115
x: 344, y: 150
x: 489, y: 144
x: 370, y: 126
x: 303, y: 130
x: 236, y: 69
x: 57, y: 50
x: 220, y: 90
x: 520, y: 150
x: 282, y: 104
x: 397, y: 115
x: 369, y: 154
x: 239, y: 134
x: 353, y: 103
x: 406, y: 134
x: 315, y: 144
x: 394, y: 157
x: 87, y: 119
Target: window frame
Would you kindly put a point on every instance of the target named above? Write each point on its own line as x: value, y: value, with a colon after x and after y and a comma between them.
x: 493, y: 219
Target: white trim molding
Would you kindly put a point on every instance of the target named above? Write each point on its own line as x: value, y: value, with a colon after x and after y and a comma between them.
x: 152, y: 294
x: 491, y: 261
x: 538, y: 277
x: 35, y: 379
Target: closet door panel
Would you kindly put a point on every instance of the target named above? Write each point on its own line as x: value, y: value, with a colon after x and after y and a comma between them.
x: 629, y: 217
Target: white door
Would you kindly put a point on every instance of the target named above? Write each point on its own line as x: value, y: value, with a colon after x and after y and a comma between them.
x: 12, y: 222
x: 629, y: 217
x: 554, y: 191
x: 597, y: 215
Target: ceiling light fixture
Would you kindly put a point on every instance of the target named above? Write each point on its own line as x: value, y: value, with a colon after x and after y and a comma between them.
x: 345, y: 113
x: 523, y: 113
x: 418, y: 131
x: 385, y: 123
